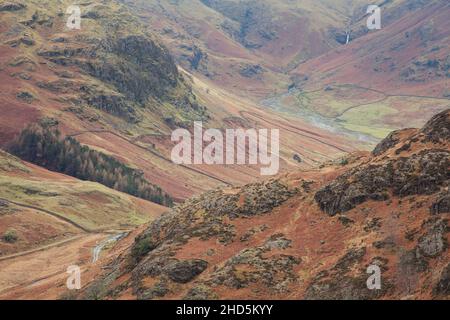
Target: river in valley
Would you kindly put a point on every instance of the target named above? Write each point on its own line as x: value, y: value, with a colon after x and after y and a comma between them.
x: 329, y: 124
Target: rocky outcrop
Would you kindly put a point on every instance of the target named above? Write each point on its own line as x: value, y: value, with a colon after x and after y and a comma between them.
x: 185, y: 271
x: 183, y: 223
x: 339, y: 283
x: 92, y: 14
x: 270, y: 239
x: 146, y: 69
x: 422, y: 173
x: 341, y: 288
x: 25, y: 96
x: 200, y: 292
x: 39, y: 18
x: 434, y: 242
x: 411, y: 264
x: 252, y: 266
x: 250, y: 70
x: 11, y: 6
x: 386, y: 144
x: 442, y: 288
x: 135, y: 69
x: 196, y: 58
x: 442, y: 204
x: 109, y: 102
x: 208, y: 217
x: 438, y: 128
x: 25, y: 39
x: 254, y: 23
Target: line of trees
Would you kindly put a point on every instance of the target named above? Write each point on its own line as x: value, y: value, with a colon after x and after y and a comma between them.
x: 45, y: 147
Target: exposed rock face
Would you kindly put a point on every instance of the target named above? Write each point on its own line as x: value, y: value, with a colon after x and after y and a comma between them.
x: 297, y: 158
x: 387, y: 143
x: 197, y: 57
x: 25, y: 96
x: 136, y: 66
x: 39, y: 18
x: 438, y: 128
x: 344, y: 288
x: 258, y: 198
x: 411, y: 264
x: 200, y: 292
x: 431, y: 245
x: 204, y: 218
x: 270, y: 239
x: 338, y: 283
x: 11, y: 6
x: 185, y: 271
x: 442, y: 288
x: 350, y: 258
x: 251, y: 266
x: 250, y: 71
x: 424, y: 172
x: 146, y: 69
x: 254, y: 23
x: 421, y: 173
x: 214, y: 207
x: 442, y: 204
x: 109, y: 102
x: 25, y: 39
x: 434, y: 242
x: 123, y: 71
x: 91, y: 15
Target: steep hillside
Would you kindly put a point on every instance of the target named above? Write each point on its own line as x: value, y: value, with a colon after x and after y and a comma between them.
x: 39, y: 203
x: 409, y: 54
x: 296, y: 52
x: 309, y: 234
x: 49, y: 217
x: 120, y: 71
x: 113, y: 87
x: 43, y: 145
x: 251, y: 43
x: 100, y: 104
x: 383, y: 79
x: 110, y: 76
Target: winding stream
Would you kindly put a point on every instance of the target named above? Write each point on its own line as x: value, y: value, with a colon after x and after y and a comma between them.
x: 332, y: 125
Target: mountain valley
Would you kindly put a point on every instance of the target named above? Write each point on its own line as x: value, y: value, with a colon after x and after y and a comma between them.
x: 87, y: 176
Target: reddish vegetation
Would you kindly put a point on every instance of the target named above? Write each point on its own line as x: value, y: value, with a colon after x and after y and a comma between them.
x: 379, y: 59
x: 33, y: 276
x: 54, y: 88
x: 309, y: 233
x: 34, y: 266
x: 288, y: 248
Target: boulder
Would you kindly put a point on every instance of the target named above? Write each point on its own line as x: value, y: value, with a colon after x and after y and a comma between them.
x: 185, y: 271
